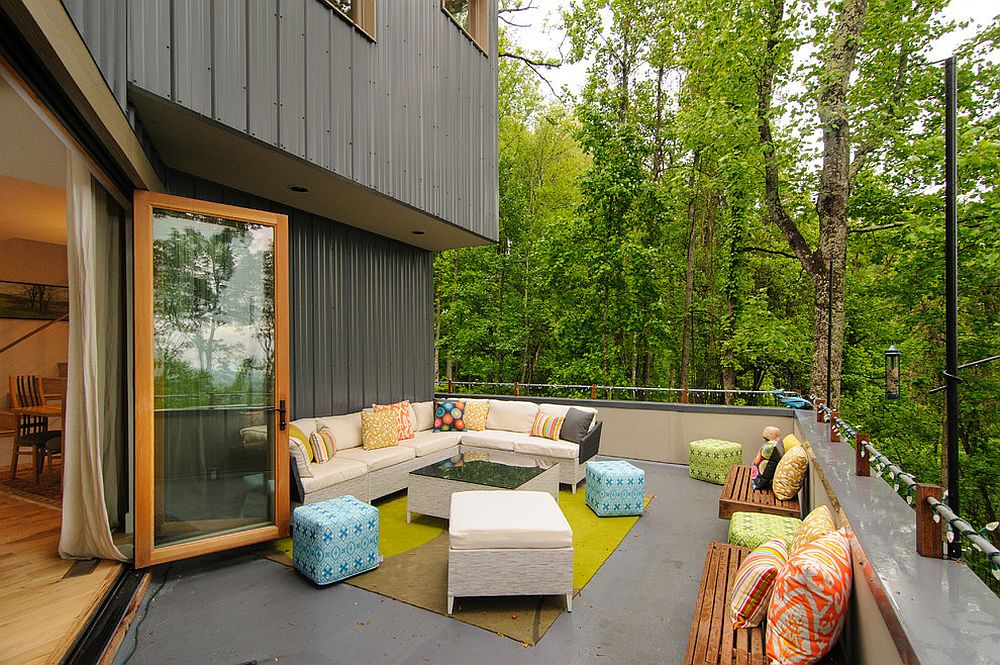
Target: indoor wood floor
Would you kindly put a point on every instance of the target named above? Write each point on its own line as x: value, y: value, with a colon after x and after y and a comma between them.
x: 41, y: 612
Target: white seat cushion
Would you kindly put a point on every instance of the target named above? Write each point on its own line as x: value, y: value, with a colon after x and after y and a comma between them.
x: 428, y: 442
x: 507, y: 520
x: 337, y: 470
x: 511, y: 416
x: 535, y: 445
x: 380, y: 458
x: 492, y: 439
x: 346, y: 429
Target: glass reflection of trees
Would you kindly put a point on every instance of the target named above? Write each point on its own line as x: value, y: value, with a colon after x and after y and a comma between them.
x: 213, y: 311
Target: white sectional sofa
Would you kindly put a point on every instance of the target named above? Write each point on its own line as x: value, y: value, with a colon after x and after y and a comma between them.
x: 370, y: 474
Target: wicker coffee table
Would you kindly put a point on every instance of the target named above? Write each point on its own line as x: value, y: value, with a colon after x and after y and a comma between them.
x: 430, y: 488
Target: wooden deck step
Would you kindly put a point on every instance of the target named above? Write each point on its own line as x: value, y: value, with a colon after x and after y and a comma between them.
x: 739, y: 496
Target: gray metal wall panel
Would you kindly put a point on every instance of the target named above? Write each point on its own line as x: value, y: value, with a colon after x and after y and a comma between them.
x: 102, y: 24
x: 412, y: 115
x: 229, y: 63
x: 262, y: 70
x: 361, y: 309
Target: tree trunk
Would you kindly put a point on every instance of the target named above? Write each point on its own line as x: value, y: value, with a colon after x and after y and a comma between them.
x: 689, y: 274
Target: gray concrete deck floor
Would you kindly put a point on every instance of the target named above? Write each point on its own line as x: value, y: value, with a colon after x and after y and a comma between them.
x: 239, y: 608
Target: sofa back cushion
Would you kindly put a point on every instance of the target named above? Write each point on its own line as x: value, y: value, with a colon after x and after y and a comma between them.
x: 511, y: 416
x: 346, y: 429
x: 561, y: 409
x: 424, y: 412
x: 305, y: 425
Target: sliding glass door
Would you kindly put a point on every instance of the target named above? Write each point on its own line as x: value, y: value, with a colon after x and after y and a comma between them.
x: 211, y: 368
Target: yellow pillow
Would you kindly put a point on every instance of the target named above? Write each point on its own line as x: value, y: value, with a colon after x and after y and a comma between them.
x: 790, y: 441
x: 790, y: 473
x: 379, y: 429
x: 295, y: 433
x: 476, y: 412
x: 817, y: 524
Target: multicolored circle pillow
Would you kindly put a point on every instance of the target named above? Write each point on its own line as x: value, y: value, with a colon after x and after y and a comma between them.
x: 449, y: 415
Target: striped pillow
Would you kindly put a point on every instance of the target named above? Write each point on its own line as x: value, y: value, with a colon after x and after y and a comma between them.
x: 755, y: 581
x: 809, y: 603
x: 547, y: 427
x: 323, y: 444
x: 404, y: 425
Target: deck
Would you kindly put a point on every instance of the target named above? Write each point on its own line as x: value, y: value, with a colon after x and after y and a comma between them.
x: 637, y: 609
x: 42, y: 610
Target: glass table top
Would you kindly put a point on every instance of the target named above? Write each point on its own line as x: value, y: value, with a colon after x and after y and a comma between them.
x: 481, y: 472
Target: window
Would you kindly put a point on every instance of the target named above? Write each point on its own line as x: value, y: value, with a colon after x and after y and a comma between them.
x: 472, y: 17
x: 359, y: 12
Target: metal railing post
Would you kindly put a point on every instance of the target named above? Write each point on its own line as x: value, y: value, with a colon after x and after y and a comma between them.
x: 862, y: 465
x: 928, y: 531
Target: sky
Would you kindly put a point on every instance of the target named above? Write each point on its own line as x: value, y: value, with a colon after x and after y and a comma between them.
x: 542, y: 34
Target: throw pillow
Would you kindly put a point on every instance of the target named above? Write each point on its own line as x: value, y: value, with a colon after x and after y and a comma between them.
x: 576, y: 424
x: 298, y: 449
x: 324, y: 445
x: 755, y: 581
x: 547, y: 427
x: 476, y: 413
x: 790, y: 441
x: 809, y: 602
x: 790, y: 473
x: 449, y: 415
x: 379, y: 429
x: 764, y: 465
x: 295, y: 433
x: 401, y: 411
x: 817, y: 524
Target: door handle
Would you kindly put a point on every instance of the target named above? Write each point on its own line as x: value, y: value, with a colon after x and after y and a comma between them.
x: 282, y: 415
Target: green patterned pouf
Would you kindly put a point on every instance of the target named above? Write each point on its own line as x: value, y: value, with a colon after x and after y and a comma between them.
x: 710, y: 459
x: 754, y: 529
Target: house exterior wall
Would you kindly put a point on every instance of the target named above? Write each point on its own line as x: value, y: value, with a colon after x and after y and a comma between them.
x: 361, y: 328
x: 102, y: 26
x: 411, y: 115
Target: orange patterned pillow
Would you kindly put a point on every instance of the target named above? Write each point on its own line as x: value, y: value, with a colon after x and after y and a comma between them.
x: 404, y: 427
x: 809, y: 602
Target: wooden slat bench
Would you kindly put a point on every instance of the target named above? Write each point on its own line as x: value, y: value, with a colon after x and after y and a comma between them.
x: 739, y: 496
x: 712, y: 640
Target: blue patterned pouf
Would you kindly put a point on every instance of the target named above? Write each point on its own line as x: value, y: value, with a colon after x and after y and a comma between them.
x: 615, y: 488
x: 335, y: 539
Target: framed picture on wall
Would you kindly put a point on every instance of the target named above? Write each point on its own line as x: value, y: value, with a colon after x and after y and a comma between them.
x: 26, y: 300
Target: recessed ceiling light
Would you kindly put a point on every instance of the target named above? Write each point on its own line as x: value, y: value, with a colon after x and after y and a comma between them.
x: 417, y: 233
x: 298, y: 188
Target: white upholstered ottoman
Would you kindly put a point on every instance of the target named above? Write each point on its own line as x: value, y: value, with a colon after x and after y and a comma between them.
x: 508, y: 544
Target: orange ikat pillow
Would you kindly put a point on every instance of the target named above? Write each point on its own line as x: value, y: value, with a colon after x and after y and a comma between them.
x: 809, y: 602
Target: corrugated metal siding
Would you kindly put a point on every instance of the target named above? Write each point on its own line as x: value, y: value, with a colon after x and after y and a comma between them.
x: 412, y: 115
x: 361, y: 309
x: 102, y: 25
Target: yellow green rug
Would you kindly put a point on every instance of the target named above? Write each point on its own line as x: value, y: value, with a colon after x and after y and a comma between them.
x: 424, y: 544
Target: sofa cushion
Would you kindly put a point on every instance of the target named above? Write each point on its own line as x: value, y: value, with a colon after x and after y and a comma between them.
x: 534, y: 445
x: 449, y: 415
x: 324, y: 444
x: 295, y: 432
x: 379, y: 458
x: 379, y: 429
x: 561, y: 409
x: 476, y: 413
x: 404, y: 423
x: 335, y: 471
x: 424, y: 412
x: 790, y: 473
x: 305, y: 425
x: 547, y: 427
x: 300, y: 454
x: 507, y: 520
x: 346, y: 429
x: 428, y: 443
x: 491, y: 439
x: 576, y: 424
x: 511, y: 416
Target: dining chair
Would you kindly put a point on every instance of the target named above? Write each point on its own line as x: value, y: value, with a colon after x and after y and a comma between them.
x: 32, y: 435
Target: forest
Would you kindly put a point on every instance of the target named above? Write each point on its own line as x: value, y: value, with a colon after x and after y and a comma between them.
x: 683, y: 220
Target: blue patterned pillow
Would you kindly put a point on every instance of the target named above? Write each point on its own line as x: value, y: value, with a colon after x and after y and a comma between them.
x: 449, y: 415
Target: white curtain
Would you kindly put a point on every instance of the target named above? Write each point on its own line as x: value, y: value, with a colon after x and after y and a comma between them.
x: 92, y: 433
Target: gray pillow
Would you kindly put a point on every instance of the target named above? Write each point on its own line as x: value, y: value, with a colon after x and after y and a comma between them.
x: 576, y: 425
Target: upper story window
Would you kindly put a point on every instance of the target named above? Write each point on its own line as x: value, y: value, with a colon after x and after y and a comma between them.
x: 472, y: 16
x: 359, y: 12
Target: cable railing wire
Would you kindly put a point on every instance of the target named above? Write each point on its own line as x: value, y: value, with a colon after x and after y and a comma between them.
x: 905, y: 484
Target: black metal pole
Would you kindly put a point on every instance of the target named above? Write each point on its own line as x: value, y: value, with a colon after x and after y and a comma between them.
x: 951, y: 289
x: 829, y: 333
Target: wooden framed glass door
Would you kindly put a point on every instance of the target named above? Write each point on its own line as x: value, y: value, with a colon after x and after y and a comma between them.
x: 211, y: 377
